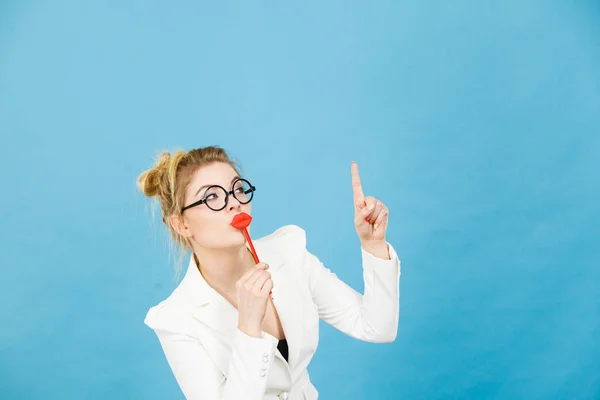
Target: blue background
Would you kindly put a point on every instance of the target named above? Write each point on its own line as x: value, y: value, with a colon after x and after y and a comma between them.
x: 477, y: 123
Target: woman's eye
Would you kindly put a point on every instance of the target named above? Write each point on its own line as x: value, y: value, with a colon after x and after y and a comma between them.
x: 211, y: 196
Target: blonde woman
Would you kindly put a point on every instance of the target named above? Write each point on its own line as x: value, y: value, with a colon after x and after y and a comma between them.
x: 234, y: 329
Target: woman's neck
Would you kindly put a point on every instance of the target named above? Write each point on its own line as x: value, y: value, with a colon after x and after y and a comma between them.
x: 222, y: 268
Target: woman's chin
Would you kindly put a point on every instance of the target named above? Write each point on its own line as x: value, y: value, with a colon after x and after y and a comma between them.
x: 238, y: 238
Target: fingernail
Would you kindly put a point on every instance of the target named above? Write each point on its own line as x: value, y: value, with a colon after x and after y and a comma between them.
x: 375, y: 226
x: 367, y: 219
x: 370, y: 207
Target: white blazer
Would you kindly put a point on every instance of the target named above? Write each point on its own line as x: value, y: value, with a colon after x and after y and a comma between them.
x: 212, y: 359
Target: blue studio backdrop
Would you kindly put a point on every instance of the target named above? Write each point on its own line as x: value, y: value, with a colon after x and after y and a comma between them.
x: 477, y: 123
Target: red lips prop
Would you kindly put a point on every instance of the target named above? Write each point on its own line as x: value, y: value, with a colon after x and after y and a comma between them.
x: 242, y: 221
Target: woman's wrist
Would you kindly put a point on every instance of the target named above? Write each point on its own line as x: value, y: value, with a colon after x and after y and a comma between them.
x: 250, y: 330
x: 378, y: 249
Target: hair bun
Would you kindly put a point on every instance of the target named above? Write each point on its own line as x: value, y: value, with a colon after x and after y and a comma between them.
x: 155, y: 181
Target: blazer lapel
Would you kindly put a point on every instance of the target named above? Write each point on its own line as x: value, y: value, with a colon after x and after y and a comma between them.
x: 286, y: 295
x: 286, y: 300
x: 216, y: 315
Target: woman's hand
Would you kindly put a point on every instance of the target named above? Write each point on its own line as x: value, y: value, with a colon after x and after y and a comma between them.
x: 370, y: 218
x: 252, y: 294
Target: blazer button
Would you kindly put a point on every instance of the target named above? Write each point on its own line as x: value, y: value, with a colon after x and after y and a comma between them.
x: 283, y: 395
x: 263, y: 373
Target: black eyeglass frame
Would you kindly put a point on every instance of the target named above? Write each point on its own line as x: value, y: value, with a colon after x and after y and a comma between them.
x: 251, y: 189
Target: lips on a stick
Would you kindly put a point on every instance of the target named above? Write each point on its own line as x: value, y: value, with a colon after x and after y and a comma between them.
x: 241, y: 221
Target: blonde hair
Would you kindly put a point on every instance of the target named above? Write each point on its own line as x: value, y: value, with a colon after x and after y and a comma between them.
x: 168, y: 180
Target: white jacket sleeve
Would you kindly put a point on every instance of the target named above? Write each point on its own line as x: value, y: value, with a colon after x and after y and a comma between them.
x: 199, y: 377
x: 372, y: 316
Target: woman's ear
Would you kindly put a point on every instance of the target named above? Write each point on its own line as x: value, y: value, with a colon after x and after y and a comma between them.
x: 179, y: 225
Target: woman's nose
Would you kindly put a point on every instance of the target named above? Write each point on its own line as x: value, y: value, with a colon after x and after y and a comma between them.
x: 234, y: 203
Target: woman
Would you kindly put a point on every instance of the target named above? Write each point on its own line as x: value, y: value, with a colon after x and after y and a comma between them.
x: 234, y: 329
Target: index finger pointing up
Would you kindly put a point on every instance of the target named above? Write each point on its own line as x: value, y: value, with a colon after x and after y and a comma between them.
x: 359, y: 198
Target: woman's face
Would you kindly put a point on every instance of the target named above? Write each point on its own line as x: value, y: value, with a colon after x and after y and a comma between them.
x: 206, y: 227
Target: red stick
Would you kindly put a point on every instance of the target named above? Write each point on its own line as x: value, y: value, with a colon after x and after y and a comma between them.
x: 247, y: 236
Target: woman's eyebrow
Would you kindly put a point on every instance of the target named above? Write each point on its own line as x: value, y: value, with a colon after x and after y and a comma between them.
x: 205, y: 186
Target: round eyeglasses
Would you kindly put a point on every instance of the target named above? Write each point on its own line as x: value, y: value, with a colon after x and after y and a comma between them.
x: 216, y: 197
